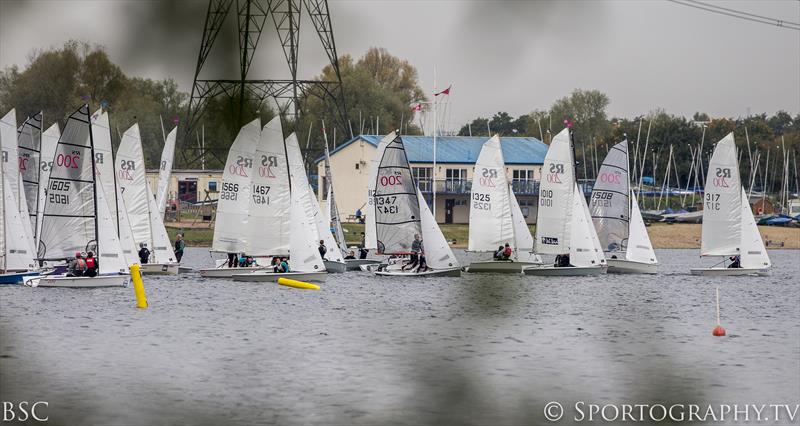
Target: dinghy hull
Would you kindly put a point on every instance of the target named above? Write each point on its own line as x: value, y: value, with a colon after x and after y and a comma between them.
x: 450, y: 272
x: 226, y: 272
x: 160, y: 268
x: 17, y: 277
x: 620, y: 266
x: 335, y: 267
x: 498, y: 266
x: 264, y: 276
x: 80, y: 282
x: 729, y: 272
x: 356, y: 264
x: 566, y: 271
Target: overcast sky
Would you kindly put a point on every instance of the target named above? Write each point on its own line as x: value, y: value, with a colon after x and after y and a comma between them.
x: 499, y: 56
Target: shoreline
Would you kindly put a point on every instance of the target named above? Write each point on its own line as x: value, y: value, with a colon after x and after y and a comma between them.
x: 662, y: 235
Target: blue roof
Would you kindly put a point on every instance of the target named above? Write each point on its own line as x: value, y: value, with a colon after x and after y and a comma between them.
x: 460, y: 149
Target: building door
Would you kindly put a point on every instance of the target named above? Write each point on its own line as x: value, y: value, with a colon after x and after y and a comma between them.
x: 187, y: 191
x: 449, y: 204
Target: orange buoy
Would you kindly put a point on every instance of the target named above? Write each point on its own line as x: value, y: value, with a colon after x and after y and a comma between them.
x: 718, y: 330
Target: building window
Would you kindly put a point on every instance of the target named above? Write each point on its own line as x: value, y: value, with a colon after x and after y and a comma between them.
x: 461, y: 202
x: 456, y: 181
x: 212, y: 186
x: 423, y: 177
x: 523, y: 182
x: 523, y: 174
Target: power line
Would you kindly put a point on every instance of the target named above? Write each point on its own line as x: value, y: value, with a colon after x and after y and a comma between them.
x: 738, y: 14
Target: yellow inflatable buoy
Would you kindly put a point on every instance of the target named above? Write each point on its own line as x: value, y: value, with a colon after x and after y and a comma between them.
x: 297, y: 284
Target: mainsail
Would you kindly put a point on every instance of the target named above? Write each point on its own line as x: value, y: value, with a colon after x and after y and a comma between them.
x: 556, y: 197
x: 11, y: 170
x: 610, y: 202
x: 370, y: 238
x: 16, y: 250
x: 30, y: 142
x: 232, y: 229
x: 270, y: 203
x: 396, y: 208
x: 722, y: 203
x: 165, y: 170
x: 49, y: 142
x: 490, y: 217
x: 68, y: 223
x: 132, y: 181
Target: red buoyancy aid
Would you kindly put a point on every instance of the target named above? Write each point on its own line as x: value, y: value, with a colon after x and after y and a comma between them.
x: 90, y: 263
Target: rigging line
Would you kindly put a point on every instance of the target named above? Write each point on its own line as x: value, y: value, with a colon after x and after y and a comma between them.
x: 776, y: 22
x: 780, y: 21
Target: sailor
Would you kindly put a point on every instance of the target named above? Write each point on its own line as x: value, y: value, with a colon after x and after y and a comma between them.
x: 350, y: 255
x: 362, y: 249
x: 144, y: 253
x: 416, y: 249
x: 736, y: 262
x: 77, y: 266
x: 284, y: 265
x: 498, y: 255
x: 243, y: 261
x: 233, y: 260
x: 179, y: 246
x: 507, y: 251
x: 562, y: 261
x: 92, y: 266
x: 322, y: 249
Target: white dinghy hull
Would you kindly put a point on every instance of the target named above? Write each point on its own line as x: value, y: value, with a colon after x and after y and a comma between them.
x: 566, y: 271
x: 498, y: 266
x: 335, y: 267
x: 729, y: 272
x: 264, y: 276
x: 160, y: 268
x: 624, y: 266
x: 450, y: 272
x: 227, y: 272
x: 359, y: 264
x: 63, y: 281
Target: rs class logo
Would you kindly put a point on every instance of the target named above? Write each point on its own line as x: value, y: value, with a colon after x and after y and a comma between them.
x: 554, y: 173
x: 126, y: 168
x: 488, y: 177
x: 268, y: 164
x: 241, y: 166
x: 722, y: 177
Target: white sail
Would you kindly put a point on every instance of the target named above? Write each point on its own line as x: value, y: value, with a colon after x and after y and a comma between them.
x: 370, y: 237
x: 165, y: 170
x: 523, y: 240
x: 104, y: 159
x: 232, y: 229
x: 396, y: 208
x: 610, y: 205
x: 584, y: 247
x: 554, y: 214
x: 109, y: 250
x: 161, y: 246
x: 270, y: 202
x: 722, y: 202
x: 15, y: 249
x: 324, y: 233
x: 132, y: 181
x: 639, y: 247
x: 68, y: 223
x: 304, y: 256
x: 490, y: 222
x: 753, y: 253
x: 128, y: 243
x: 332, y: 211
x: 438, y: 254
x: 49, y: 142
x: 11, y: 170
x: 29, y: 139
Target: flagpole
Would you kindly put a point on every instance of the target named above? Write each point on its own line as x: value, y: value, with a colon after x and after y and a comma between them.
x: 434, y: 144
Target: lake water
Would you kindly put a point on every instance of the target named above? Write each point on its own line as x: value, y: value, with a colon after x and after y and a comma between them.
x: 482, y: 349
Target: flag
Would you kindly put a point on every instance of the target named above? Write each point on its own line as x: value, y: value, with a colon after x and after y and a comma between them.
x: 445, y: 91
x: 417, y: 107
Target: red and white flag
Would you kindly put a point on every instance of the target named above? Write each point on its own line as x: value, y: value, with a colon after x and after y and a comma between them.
x: 445, y: 91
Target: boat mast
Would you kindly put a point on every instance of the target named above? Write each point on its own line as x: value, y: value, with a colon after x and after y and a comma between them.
x: 94, y: 181
x: 5, y: 228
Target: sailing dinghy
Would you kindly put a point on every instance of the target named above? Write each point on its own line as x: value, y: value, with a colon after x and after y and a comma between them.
x: 76, y: 215
x: 564, y: 225
x: 617, y: 218
x: 729, y: 228
x: 305, y: 217
x: 145, y: 220
x: 495, y: 218
x: 402, y: 215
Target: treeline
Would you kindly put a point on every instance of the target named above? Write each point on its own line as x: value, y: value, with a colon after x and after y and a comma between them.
x: 776, y: 136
